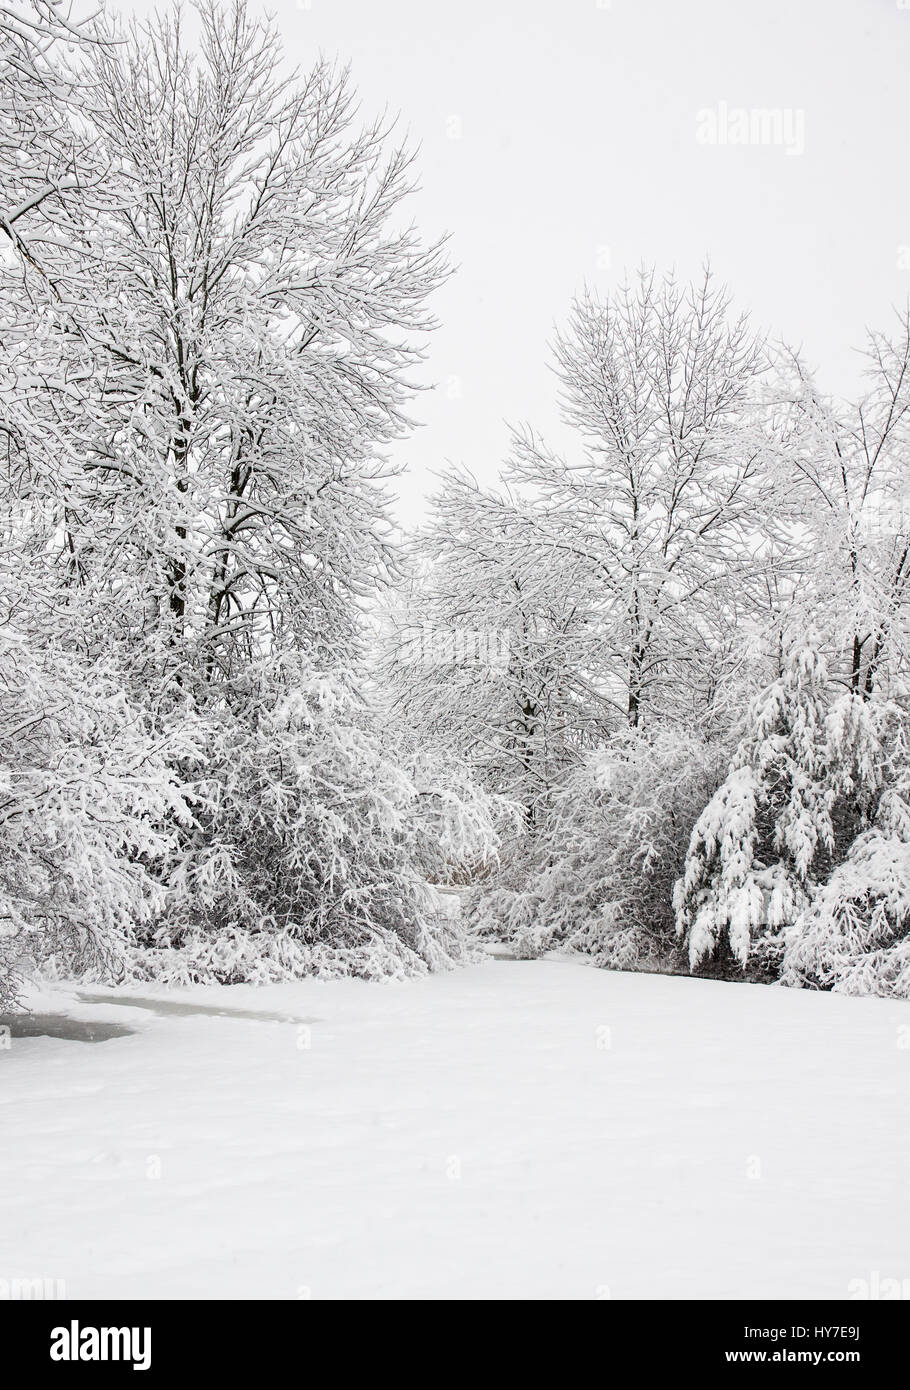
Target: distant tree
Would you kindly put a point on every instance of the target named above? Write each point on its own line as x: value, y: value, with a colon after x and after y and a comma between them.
x: 847, y: 469
x: 489, y: 650
x: 600, y: 872
x: 668, y: 511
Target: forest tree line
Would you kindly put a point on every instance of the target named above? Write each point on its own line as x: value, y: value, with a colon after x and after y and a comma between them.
x: 676, y: 738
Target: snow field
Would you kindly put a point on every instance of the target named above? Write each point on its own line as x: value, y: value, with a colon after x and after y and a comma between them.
x: 514, y: 1129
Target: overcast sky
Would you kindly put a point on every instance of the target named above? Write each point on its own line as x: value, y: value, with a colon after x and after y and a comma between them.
x: 560, y: 143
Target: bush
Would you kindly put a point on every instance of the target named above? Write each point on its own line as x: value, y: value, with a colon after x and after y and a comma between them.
x: 87, y: 789
x: 311, y: 850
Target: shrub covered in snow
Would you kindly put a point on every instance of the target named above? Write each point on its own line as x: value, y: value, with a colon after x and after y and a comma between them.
x: 87, y: 793
x: 310, y: 848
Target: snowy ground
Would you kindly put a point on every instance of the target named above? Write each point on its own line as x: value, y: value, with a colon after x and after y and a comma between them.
x: 516, y: 1129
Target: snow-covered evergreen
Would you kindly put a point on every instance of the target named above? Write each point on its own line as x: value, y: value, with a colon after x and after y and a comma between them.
x: 797, y: 860
x: 757, y: 842
x: 854, y: 937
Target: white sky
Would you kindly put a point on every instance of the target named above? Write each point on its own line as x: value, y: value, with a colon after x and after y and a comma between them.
x: 576, y: 126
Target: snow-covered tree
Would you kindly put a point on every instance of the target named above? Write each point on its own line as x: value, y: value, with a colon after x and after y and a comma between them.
x: 803, y: 783
x: 763, y: 832
x: 854, y: 937
x: 44, y: 157
x: 213, y: 362
x: 669, y: 508
x: 847, y: 473
x: 247, y: 305
x: 489, y: 649
x: 47, y: 164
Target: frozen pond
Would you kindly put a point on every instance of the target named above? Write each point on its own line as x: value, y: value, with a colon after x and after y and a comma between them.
x: 187, y: 1009
x: 62, y: 1026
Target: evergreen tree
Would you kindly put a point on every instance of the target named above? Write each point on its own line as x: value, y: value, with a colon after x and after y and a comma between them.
x: 768, y: 828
